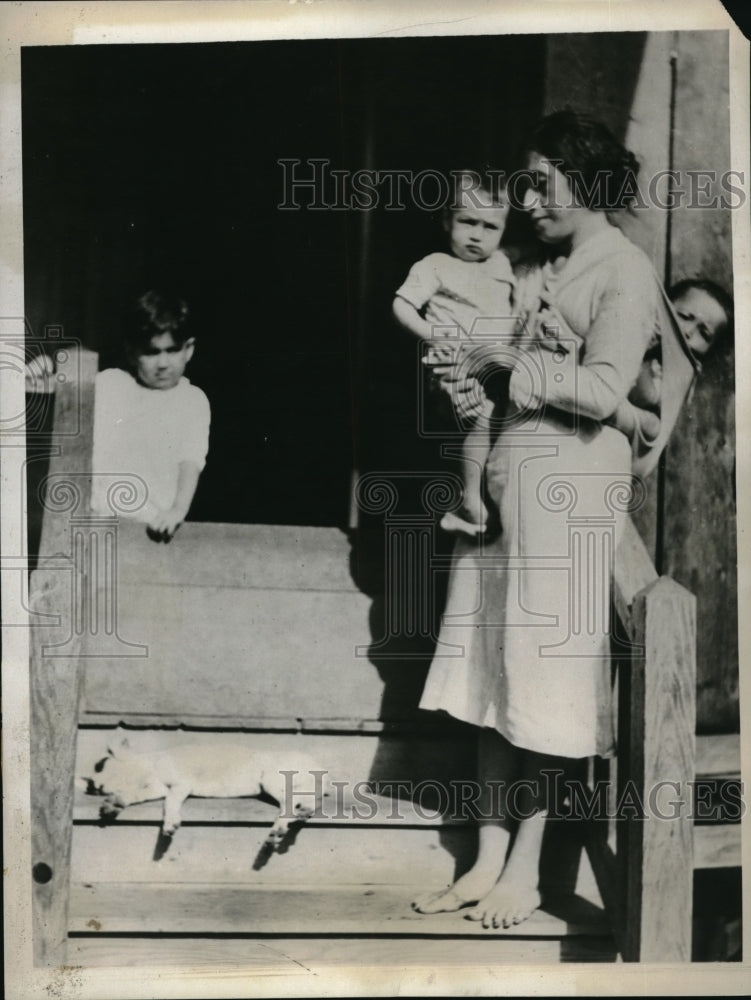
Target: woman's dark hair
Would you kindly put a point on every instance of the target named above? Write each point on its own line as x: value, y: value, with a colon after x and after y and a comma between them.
x: 155, y: 313
x: 726, y: 333
x: 601, y: 171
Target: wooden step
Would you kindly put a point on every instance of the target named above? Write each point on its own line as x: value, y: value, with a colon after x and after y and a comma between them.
x: 246, y: 620
x: 223, y: 840
x: 272, y: 955
x: 316, y: 910
x: 266, y: 556
x: 235, y: 855
x: 228, y: 853
x: 352, y: 759
x: 229, y: 651
x: 718, y: 755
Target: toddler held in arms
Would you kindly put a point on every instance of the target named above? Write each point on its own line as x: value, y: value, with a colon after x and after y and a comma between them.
x: 151, y: 426
x: 453, y: 290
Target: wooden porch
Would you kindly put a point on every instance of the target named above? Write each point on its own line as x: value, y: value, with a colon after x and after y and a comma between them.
x: 125, y: 632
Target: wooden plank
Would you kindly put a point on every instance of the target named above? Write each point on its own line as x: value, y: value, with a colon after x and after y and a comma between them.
x: 277, y: 653
x: 273, y: 954
x: 422, y: 723
x: 315, y: 910
x: 717, y: 846
x: 179, y: 720
x: 714, y: 847
x: 700, y: 535
x: 270, y: 557
x: 315, y: 854
x: 718, y: 755
x: 234, y: 855
x: 700, y: 516
x: 132, y: 952
x: 633, y: 571
x: 661, y: 748
x: 54, y: 678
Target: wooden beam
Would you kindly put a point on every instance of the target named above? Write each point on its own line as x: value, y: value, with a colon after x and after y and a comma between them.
x: 54, y: 669
x: 298, y: 955
x: 660, y: 748
x: 633, y: 572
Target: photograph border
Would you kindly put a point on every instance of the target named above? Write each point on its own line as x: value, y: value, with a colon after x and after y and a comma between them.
x: 63, y: 23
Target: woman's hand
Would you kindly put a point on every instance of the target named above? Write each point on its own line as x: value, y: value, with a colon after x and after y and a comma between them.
x: 527, y: 383
x: 447, y: 367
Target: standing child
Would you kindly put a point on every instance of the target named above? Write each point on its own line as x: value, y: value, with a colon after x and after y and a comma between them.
x: 151, y: 424
x: 474, y: 281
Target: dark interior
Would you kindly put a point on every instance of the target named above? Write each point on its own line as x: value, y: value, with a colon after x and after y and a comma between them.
x: 157, y: 165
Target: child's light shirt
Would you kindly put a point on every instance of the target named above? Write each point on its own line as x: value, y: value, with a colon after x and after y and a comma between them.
x: 457, y: 292
x: 140, y: 438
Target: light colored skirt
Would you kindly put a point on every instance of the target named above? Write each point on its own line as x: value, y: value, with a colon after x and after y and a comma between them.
x: 524, y: 645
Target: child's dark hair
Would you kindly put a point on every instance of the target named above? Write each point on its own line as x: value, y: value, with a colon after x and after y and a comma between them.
x: 483, y: 189
x: 726, y: 333
x: 153, y: 314
x: 601, y: 171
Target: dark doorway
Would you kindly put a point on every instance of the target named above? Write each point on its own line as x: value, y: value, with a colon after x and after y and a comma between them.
x: 147, y: 165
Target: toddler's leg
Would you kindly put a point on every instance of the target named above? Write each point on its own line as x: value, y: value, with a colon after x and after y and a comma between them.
x: 471, y: 518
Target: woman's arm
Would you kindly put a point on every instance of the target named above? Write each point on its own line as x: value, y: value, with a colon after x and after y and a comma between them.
x: 614, y: 347
x: 634, y: 421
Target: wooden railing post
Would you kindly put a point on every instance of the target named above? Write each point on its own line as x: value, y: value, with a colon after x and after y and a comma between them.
x: 55, y: 680
x: 660, y: 770
x: 647, y: 884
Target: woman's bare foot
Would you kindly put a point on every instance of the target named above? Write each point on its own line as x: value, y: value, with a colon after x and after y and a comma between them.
x: 444, y: 901
x: 505, y: 905
x: 515, y: 895
x: 466, y: 890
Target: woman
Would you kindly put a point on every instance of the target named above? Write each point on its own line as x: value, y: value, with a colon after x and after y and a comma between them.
x: 524, y: 645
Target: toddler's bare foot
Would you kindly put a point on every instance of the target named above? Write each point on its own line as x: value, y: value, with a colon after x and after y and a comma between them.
x: 473, y: 509
x: 650, y: 425
x: 465, y: 891
x: 455, y: 523
x: 505, y: 905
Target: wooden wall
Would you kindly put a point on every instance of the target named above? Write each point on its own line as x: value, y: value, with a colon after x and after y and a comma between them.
x: 700, y: 527
x: 625, y: 81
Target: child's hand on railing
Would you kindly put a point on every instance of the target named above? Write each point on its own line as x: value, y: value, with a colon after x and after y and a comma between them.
x: 163, y: 524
